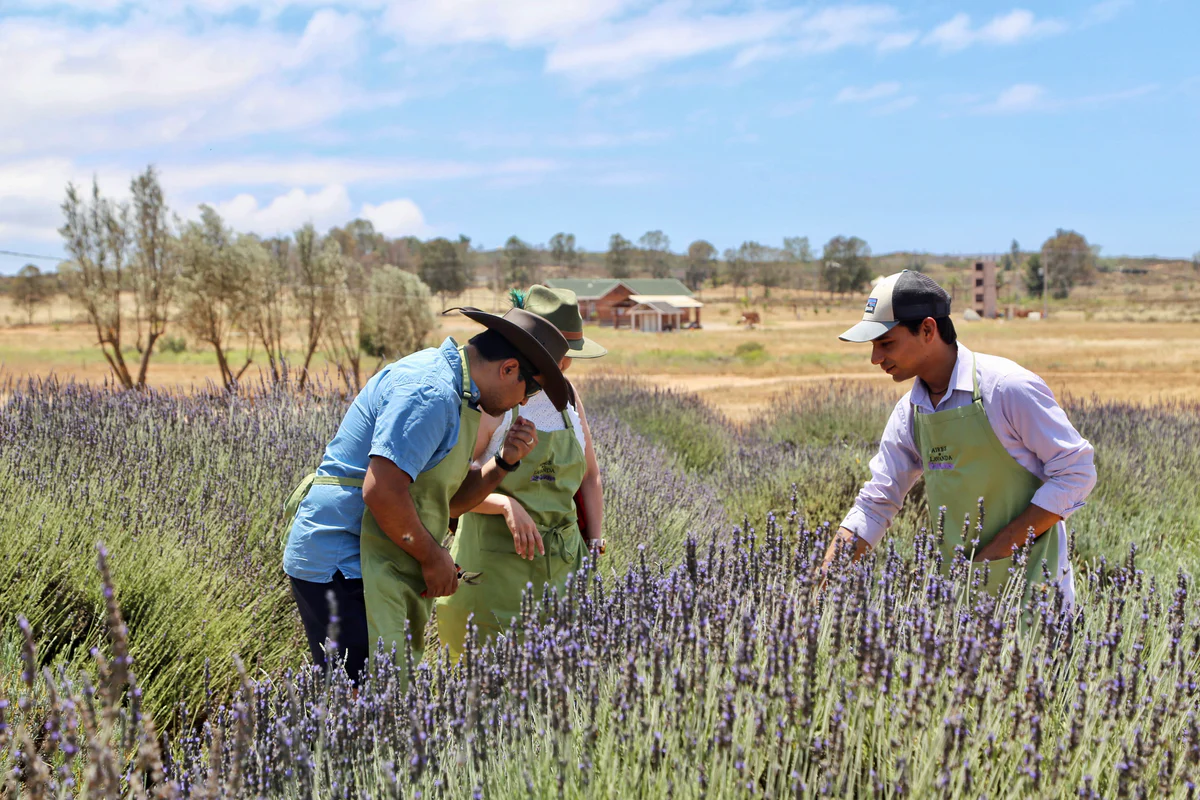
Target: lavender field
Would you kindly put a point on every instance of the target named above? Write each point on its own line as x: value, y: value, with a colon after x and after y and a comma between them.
x: 698, y: 659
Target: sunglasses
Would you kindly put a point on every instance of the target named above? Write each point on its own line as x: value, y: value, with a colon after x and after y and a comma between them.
x: 528, y: 380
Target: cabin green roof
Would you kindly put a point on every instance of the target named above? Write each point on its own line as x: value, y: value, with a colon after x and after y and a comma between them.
x: 583, y: 287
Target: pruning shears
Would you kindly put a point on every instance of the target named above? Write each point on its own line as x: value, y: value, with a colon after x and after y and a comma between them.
x: 469, y: 578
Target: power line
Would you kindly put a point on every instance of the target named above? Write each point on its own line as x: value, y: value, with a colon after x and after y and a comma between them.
x: 30, y: 255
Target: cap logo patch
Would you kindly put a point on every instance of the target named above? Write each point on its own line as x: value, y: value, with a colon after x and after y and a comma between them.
x: 871, y: 303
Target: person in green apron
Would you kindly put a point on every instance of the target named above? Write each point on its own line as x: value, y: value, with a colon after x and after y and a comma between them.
x: 367, y: 527
x: 528, y: 532
x: 976, y: 426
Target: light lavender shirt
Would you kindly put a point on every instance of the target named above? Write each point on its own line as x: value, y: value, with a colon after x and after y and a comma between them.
x: 1026, y: 419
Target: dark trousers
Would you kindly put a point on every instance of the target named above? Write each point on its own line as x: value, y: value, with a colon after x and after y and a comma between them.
x: 352, y: 619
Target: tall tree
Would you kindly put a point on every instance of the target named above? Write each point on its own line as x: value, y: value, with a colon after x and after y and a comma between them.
x: 655, y: 251
x: 216, y: 287
x: 562, y: 250
x: 441, y: 268
x: 30, y: 289
x: 769, y: 264
x: 1012, y: 259
x: 270, y: 290
x: 397, y: 319
x: 519, y: 261
x: 799, y: 254
x: 845, y: 264
x: 617, y: 258
x: 1069, y: 260
x: 738, y: 270
x: 701, y: 264
x: 96, y: 234
x: 320, y: 274
x: 1034, y: 275
x: 155, y: 266
x: 359, y: 240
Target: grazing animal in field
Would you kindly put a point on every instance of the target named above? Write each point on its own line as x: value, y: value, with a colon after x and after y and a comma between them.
x: 750, y: 318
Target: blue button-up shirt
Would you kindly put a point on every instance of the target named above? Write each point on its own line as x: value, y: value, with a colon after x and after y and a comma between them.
x: 408, y: 413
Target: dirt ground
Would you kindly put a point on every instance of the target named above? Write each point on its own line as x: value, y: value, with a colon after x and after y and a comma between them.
x: 739, y: 370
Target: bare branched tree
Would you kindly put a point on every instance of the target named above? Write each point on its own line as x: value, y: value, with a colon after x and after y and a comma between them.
x: 319, y: 281
x: 270, y: 283
x: 155, y: 266
x: 217, y: 287
x: 96, y: 235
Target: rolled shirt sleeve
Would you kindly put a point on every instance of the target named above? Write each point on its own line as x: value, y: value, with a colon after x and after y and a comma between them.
x: 412, y: 420
x: 894, y: 470
x: 1068, y: 460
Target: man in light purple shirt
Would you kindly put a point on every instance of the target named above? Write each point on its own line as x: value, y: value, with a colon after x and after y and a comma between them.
x: 983, y: 401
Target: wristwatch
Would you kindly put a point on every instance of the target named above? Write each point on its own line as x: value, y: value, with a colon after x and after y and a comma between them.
x: 504, y: 465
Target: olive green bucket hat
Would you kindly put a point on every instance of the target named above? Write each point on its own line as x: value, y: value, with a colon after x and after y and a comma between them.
x: 561, y: 308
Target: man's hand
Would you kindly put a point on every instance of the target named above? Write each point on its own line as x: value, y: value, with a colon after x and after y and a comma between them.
x: 440, y: 573
x: 527, y: 540
x: 519, y: 441
x: 1029, y: 525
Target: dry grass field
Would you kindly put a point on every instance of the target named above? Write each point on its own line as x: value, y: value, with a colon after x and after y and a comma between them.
x: 1112, y: 353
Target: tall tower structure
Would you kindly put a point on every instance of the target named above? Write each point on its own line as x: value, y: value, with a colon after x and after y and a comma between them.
x: 983, y: 289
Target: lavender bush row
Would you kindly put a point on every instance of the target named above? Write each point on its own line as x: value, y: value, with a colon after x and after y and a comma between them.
x: 732, y: 673
x: 188, y: 490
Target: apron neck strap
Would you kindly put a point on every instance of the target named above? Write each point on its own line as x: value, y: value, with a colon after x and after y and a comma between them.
x: 567, y: 419
x: 976, y: 393
x: 466, y: 372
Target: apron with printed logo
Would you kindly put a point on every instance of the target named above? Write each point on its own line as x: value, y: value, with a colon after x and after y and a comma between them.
x: 964, y: 460
x: 545, y: 485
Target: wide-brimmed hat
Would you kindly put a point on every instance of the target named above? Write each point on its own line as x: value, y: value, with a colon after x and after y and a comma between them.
x: 561, y: 307
x: 536, y: 339
x: 903, y: 297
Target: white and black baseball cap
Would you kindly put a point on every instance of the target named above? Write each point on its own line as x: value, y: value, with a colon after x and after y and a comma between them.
x: 898, y: 298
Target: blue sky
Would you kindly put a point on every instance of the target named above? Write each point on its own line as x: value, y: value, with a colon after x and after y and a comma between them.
x: 934, y: 125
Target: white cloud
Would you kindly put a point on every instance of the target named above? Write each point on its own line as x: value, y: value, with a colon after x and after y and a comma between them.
x: 662, y: 36
x: 1105, y: 11
x: 841, y: 26
x: 76, y: 89
x: 1016, y: 26
x: 396, y: 218
x: 853, y: 94
x: 313, y: 190
x: 516, y: 23
x: 897, y: 105
x: 897, y: 41
x: 324, y: 208
x: 831, y: 29
x: 314, y: 172
x: 1017, y: 99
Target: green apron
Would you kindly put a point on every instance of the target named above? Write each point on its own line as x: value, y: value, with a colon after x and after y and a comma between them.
x: 964, y: 461
x: 392, y: 579
x: 545, y: 485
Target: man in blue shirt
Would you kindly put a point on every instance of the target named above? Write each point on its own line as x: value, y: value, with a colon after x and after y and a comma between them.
x: 404, y: 424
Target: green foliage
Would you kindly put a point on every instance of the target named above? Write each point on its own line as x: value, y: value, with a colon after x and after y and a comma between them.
x: 397, y: 319
x: 562, y: 250
x: 617, y: 259
x: 30, y: 289
x: 701, y: 264
x: 520, y: 260
x: 655, y: 248
x: 1070, y: 260
x: 845, y: 264
x: 442, y: 269
x: 172, y: 344
x: 750, y: 352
